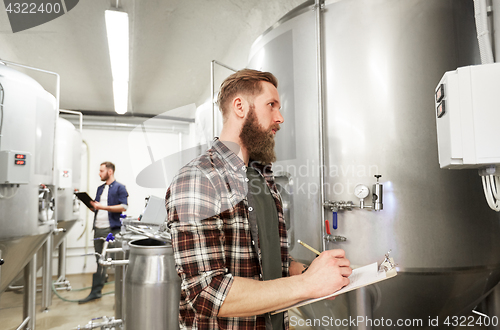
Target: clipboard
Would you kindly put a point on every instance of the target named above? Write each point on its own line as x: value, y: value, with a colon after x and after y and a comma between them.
x: 360, y: 277
x: 86, y: 199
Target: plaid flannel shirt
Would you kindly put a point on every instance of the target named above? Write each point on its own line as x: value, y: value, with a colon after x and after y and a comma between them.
x: 207, y: 212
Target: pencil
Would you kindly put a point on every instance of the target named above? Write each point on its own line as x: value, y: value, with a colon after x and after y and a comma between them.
x: 308, y: 247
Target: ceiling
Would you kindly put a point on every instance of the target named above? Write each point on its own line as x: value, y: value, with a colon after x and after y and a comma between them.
x: 172, y: 43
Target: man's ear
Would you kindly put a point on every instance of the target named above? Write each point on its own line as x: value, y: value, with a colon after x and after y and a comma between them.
x: 238, y: 106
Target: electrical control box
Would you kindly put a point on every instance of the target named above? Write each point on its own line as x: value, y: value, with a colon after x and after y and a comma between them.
x: 467, y: 110
x: 14, y: 167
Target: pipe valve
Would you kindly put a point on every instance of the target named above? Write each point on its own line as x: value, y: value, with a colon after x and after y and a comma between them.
x: 377, y: 195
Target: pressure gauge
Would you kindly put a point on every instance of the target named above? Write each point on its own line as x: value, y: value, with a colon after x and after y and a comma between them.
x: 361, y: 191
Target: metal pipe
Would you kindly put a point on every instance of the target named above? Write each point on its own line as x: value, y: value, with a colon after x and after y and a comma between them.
x: 86, y: 232
x: 58, y: 78
x: 47, y: 273
x: 119, y: 286
x: 496, y: 29
x: 61, y: 266
x: 114, y: 250
x: 110, y: 262
x: 212, y: 89
x: 75, y: 113
x: 319, y: 67
x: 29, y: 299
x: 26, y: 320
x: 224, y: 65
x: 212, y: 92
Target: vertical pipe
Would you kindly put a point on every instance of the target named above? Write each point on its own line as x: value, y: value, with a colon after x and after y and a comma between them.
x: 29, y: 299
x: 119, y: 286
x: 122, y: 293
x: 496, y: 29
x: 61, y: 269
x: 47, y: 273
x: 319, y: 67
x: 212, y: 91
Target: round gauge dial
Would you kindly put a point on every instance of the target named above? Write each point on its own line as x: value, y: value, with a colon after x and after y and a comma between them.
x: 361, y: 191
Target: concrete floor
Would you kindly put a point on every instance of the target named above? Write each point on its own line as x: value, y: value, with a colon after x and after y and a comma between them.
x: 62, y: 315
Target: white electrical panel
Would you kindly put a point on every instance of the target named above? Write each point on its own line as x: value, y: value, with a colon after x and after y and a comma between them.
x: 14, y: 167
x: 468, y: 117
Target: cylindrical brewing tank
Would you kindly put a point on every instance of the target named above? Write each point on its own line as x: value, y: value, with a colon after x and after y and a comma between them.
x: 67, y: 175
x: 122, y: 240
x: 152, y: 287
x: 27, y: 125
x: 68, y: 168
x: 382, y: 60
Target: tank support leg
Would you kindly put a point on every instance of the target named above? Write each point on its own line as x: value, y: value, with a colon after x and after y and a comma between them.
x: 29, y: 303
x: 47, y: 274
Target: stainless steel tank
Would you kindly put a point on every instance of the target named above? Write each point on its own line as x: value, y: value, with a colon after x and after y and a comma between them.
x: 382, y: 60
x: 152, y: 287
x: 27, y: 127
x: 67, y: 176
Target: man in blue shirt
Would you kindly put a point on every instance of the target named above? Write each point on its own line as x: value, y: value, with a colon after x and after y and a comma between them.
x: 110, y: 202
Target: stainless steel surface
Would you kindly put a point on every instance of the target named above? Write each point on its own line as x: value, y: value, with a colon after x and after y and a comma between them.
x: 58, y: 78
x: 496, y: 29
x: 493, y: 306
x: 382, y: 59
x: 119, y: 287
x: 318, y: 7
x: 152, y: 287
x: 29, y: 303
x: 28, y: 125
x: 362, y: 306
x: 378, y: 196
x: 61, y: 260
x: 47, y: 273
x: 17, y: 252
x: 80, y: 117
x: 67, y: 168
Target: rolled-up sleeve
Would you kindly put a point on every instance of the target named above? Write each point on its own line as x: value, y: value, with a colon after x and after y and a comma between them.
x: 193, y: 215
x: 122, y: 195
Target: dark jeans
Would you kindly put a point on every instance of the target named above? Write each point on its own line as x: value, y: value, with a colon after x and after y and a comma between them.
x: 98, y: 246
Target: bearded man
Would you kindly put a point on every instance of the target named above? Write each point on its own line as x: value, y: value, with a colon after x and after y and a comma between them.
x: 110, y: 202
x: 226, y: 220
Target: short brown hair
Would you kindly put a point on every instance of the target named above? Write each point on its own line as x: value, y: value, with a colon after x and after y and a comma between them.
x: 246, y: 81
x: 109, y: 166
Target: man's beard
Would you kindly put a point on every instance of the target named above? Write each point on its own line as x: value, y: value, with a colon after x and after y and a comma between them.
x: 105, y: 177
x: 258, y: 141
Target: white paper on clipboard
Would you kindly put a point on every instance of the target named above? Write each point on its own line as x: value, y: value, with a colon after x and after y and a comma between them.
x: 360, y: 277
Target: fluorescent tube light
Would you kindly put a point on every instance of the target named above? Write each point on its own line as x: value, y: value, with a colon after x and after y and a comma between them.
x: 118, y: 41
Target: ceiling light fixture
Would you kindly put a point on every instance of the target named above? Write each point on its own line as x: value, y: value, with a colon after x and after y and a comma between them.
x: 117, y: 29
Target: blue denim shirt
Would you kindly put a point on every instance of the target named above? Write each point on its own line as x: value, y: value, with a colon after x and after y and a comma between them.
x: 117, y: 195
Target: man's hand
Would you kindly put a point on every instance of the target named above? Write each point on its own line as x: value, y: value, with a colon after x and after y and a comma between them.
x: 97, y: 205
x: 328, y: 273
